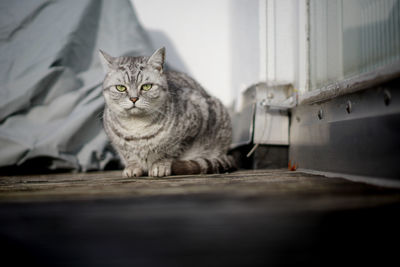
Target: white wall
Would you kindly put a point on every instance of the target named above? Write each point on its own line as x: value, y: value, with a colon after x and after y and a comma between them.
x: 216, y: 42
x: 245, y: 44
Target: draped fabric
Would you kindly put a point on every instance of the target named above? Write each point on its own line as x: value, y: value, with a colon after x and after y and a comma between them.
x: 51, y: 100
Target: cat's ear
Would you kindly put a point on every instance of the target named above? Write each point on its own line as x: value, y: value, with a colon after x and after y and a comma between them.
x: 157, y: 59
x: 106, y: 60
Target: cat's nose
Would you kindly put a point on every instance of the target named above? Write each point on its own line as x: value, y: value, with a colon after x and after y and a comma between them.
x: 134, y: 99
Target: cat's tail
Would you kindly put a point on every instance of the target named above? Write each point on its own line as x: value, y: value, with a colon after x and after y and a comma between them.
x: 222, y: 164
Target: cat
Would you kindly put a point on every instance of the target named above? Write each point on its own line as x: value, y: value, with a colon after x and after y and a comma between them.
x: 162, y: 122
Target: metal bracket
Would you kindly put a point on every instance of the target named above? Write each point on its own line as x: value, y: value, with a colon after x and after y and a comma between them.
x: 270, y: 121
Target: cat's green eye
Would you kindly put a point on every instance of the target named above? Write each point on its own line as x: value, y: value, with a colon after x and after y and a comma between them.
x: 120, y: 87
x: 146, y: 87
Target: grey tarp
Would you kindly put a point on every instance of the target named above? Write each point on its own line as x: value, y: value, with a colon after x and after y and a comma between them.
x: 50, y: 79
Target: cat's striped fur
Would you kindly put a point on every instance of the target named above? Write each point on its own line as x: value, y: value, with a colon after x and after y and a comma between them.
x: 173, y: 128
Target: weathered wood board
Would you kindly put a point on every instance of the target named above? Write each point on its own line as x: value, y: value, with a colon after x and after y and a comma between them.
x: 245, y: 218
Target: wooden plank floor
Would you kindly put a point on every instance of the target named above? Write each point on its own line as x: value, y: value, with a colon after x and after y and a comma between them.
x: 245, y: 218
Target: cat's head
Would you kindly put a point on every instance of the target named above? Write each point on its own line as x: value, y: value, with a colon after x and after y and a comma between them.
x: 135, y: 86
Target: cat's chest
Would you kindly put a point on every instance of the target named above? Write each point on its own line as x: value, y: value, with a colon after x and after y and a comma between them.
x: 138, y: 126
x: 137, y: 135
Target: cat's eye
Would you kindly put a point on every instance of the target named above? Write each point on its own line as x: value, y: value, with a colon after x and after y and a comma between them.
x: 120, y: 87
x: 147, y: 87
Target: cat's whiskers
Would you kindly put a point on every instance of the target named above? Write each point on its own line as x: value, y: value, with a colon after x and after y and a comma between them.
x: 153, y: 109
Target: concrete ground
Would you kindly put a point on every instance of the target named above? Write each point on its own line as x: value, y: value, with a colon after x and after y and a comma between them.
x: 245, y: 218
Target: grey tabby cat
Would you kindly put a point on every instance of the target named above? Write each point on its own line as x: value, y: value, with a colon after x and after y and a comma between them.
x: 163, y: 122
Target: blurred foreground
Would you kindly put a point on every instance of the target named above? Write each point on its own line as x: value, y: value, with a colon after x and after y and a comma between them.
x: 246, y: 218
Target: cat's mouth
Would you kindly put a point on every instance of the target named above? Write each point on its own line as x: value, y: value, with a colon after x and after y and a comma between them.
x: 132, y: 107
x: 134, y: 110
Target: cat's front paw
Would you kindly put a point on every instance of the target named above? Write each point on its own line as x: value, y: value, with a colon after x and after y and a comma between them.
x: 132, y: 171
x: 160, y: 169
